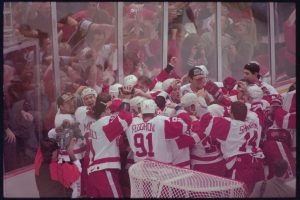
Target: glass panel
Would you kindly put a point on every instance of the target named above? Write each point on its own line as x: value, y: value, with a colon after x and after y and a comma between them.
x: 142, y: 32
x: 87, y: 45
x: 192, y: 36
x: 22, y: 86
x: 238, y: 37
x: 285, y: 41
x: 260, y: 12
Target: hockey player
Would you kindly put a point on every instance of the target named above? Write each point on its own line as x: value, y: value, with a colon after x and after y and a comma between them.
x: 181, y: 156
x: 251, y: 73
x: 104, y: 156
x: 239, y: 138
x: 206, y: 155
x: 84, y: 116
x: 197, y: 78
x: 279, y: 144
x: 147, y: 135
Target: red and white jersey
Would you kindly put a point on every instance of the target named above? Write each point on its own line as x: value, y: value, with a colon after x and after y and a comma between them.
x: 267, y: 88
x: 275, y: 150
x: 257, y: 107
x: 286, y: 136
x: 284, y: 119
x: 235, y: 137
x: 180, y: 157
x: 207, y: 150
x: 148, y: 139
x: 84, y: 120
x: 287, y: 121
x: 289, y: 101
x: 104, y: 152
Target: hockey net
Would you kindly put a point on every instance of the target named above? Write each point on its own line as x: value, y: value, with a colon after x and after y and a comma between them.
x: 158, y: 180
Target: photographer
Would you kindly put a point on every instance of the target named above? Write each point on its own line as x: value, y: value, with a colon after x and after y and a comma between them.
x: 65, y: 125
x: 54, y: 179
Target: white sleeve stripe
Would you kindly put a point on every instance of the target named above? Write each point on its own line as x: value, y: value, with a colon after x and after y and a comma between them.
x: 196, y: 137
x: 78, y: 165
x: 209, y: 127
x: 285, y: 122
x: 123, y: 123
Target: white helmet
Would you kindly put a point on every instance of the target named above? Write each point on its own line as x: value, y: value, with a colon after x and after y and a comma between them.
x: 204, y: 69
x: 163, y: 94
x: 189, y: 99
x: 135, y: 102
x: 114, y: 90
x: 216, y: 110
x: 167, y: 83
x: 88, y: 91
x: 157, y: 87
x: 130, y: 80
x: 148, y: 106
x: 169, y: 112
x: 255, y: 92
x: 60, y: 118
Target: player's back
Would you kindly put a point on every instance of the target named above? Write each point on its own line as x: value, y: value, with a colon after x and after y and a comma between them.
x: 147, y: 139
x: 243, y: 137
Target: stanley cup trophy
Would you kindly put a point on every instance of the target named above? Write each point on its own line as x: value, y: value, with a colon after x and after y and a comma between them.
x: 9, y: 37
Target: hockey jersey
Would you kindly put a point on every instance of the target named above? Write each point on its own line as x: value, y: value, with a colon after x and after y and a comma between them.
x: 148, y: 139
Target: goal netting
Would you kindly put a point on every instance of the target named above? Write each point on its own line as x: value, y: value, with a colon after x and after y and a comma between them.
x: 155, y: 179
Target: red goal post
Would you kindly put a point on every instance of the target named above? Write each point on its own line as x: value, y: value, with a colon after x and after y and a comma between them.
x: 155, y: 179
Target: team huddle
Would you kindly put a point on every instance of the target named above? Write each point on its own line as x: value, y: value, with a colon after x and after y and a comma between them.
x: 234, y: 129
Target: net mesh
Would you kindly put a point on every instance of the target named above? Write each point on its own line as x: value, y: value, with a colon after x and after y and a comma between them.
x: 158, y: 180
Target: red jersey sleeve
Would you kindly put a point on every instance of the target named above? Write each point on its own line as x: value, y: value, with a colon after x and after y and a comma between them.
x: 186, y: 118
x: 257, y: 108
x: 163, y: 75
x: 285, y: 119
x: 218, y: 128
x: 174, y: 127
x: 117, y: 125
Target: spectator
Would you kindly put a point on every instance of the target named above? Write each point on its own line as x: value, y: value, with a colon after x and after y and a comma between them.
x: 251, y: 73
x: 53, y: 179
x: 286, y: 55
x: 175, y: 38
x: 9, y: 149
x: 275, y: 187
x: 242, y: 49
x: 208, y: 42
x: 192, y: 53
